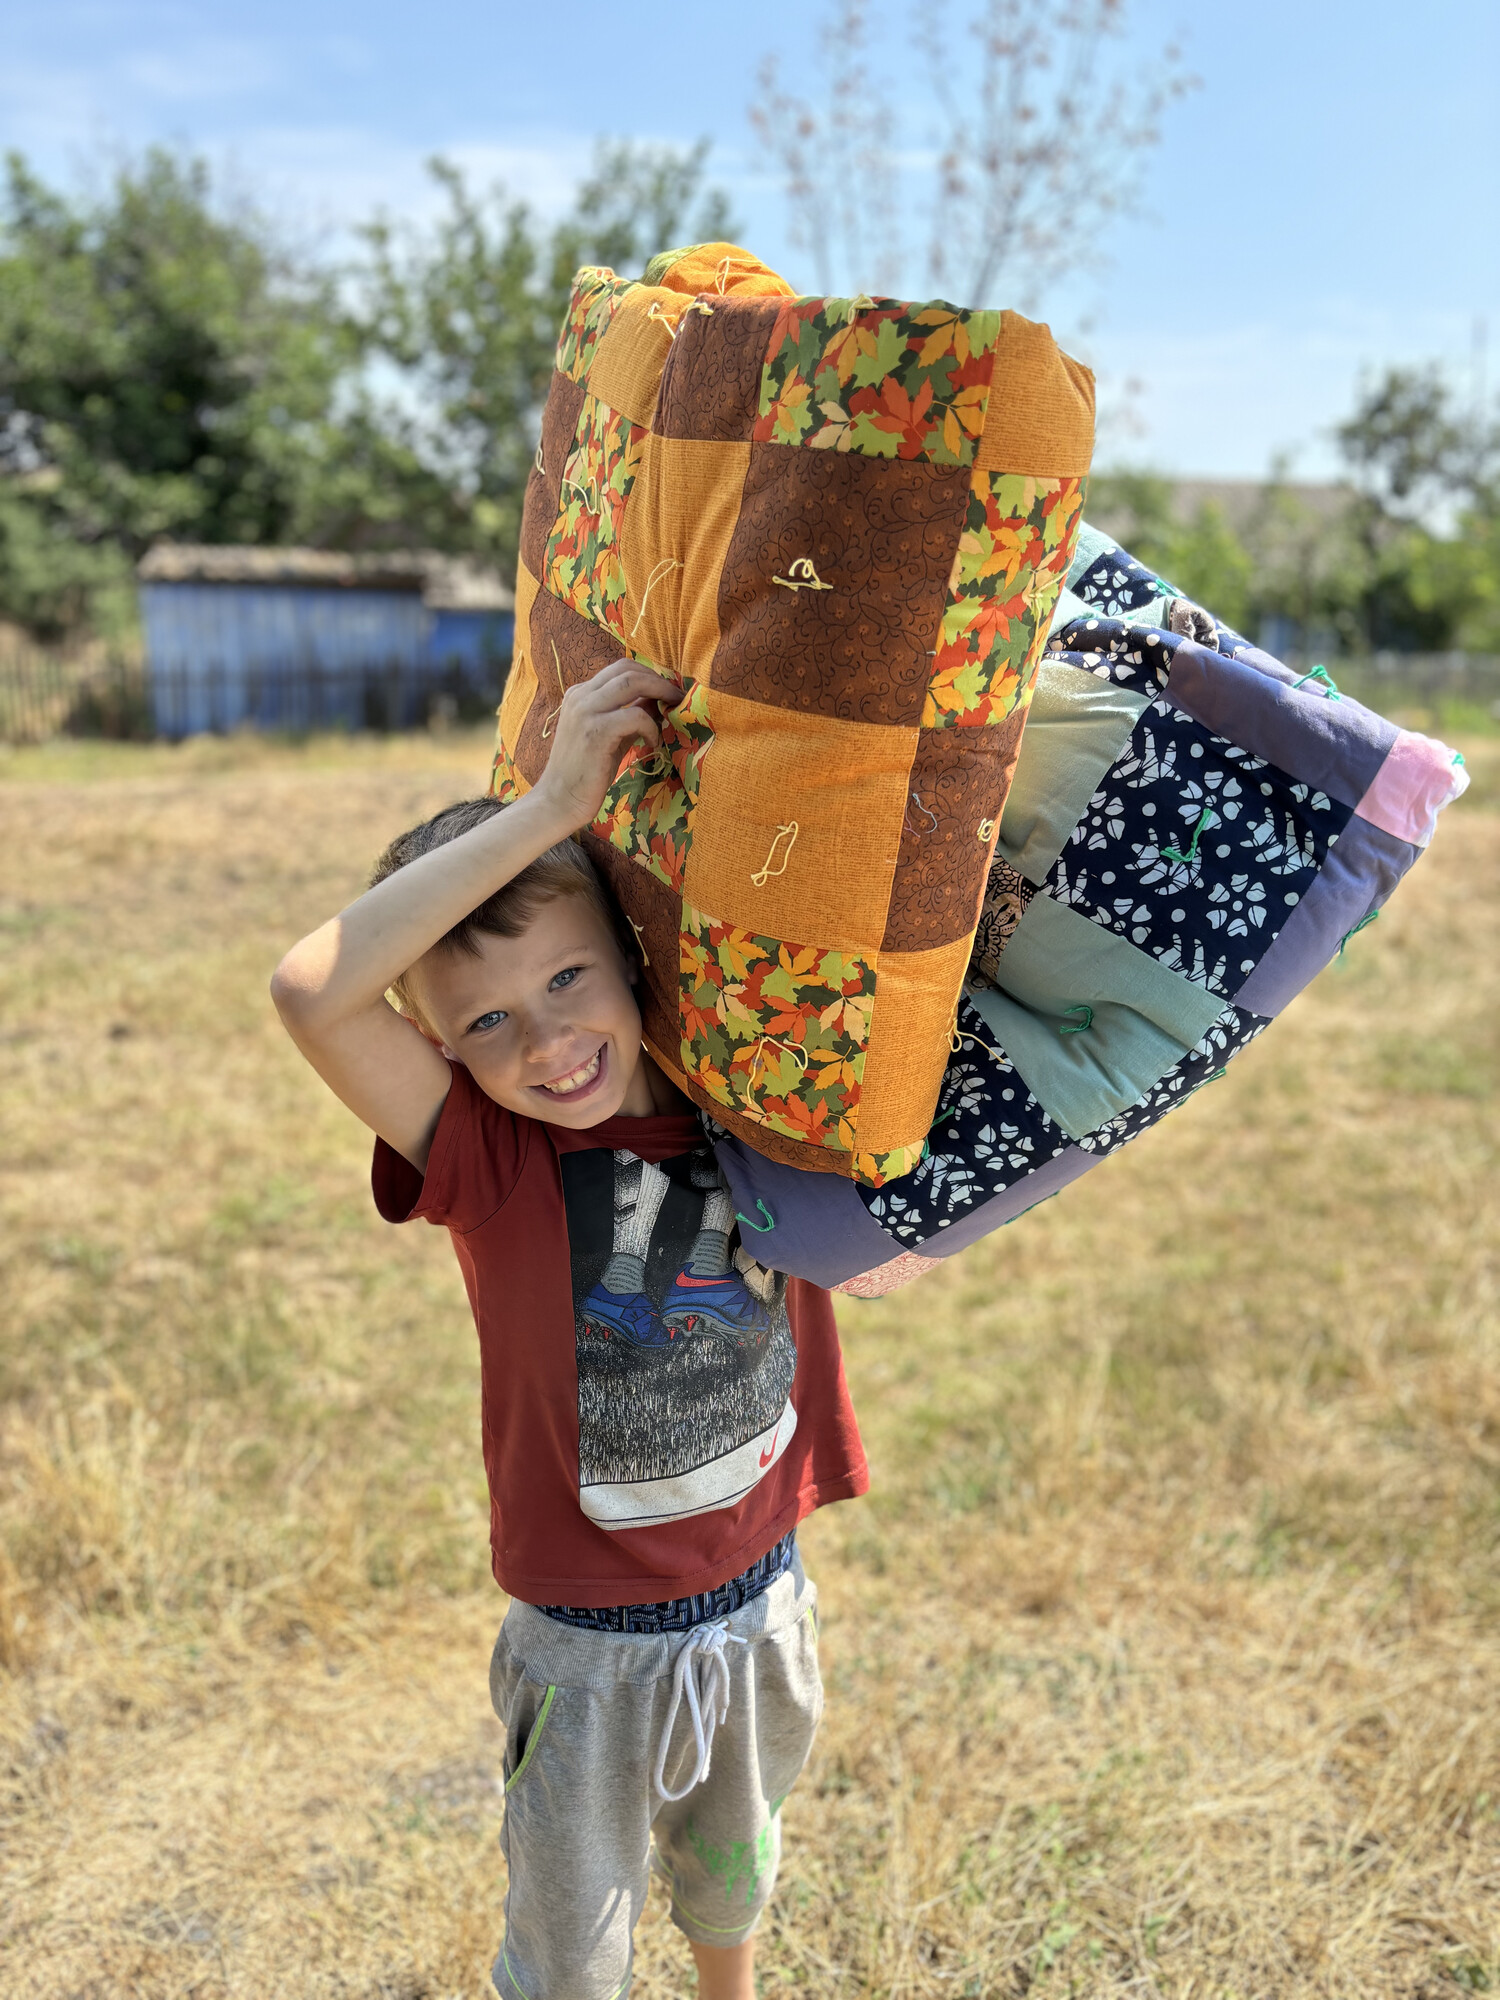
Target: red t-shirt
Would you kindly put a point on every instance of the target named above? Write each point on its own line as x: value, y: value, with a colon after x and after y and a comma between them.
x: 658, y: 1409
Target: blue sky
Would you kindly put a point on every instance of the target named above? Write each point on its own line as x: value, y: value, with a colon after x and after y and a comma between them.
x: 1325, y: 203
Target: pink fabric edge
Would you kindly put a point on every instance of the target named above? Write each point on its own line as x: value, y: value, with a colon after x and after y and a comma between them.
x: 887, y: 1277
x: 1418, y: 778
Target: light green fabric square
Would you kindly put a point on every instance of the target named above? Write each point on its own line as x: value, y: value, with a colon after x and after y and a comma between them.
x: 1145, y: 1018
x: 1076, y: 727
x: 1091, y: 544
x: 1067, y: 609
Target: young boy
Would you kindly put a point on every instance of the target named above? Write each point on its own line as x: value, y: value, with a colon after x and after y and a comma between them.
x: 659, y: 1412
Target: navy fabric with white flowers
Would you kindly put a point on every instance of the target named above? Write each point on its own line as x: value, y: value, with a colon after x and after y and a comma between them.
x: 1116, y: 586
x: 1132, y: 656
x: 1195, y: 850
x: 1117, y: 583
x: 989, y: 1133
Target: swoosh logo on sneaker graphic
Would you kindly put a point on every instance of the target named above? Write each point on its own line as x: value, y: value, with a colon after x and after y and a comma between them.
x: 690, y: 1283
x: 769, y: 1452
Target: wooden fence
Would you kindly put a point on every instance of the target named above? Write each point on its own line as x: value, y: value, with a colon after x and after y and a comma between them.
x: 45, y: 694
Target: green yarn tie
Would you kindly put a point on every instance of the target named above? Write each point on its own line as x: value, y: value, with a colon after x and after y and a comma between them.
x: 760, y: 1227
x: 1320, y: 674
x: 1176, y: 854
x: 1363, y: 924
x: 1079, y: 1027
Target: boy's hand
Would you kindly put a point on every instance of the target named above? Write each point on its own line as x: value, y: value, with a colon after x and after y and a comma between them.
x: 596, y: 724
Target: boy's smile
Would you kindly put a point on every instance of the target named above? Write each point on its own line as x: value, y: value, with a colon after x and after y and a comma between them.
x: 581, y: 1080
x: 546, y: 1023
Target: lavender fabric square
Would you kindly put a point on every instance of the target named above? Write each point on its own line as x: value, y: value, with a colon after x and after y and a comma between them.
x: 1337, y: 746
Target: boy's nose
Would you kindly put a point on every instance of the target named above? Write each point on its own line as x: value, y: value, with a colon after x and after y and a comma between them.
x: 547, y: 1040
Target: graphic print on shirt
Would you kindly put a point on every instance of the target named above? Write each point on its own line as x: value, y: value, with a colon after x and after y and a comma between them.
x: 684, y: 1347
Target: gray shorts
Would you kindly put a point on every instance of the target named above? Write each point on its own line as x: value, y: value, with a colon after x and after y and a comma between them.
x: 584, y: 1714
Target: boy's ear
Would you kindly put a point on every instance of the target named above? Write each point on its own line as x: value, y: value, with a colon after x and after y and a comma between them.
x: 424, y: 1031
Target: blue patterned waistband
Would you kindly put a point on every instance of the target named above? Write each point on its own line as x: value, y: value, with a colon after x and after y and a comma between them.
x: 680, y: 1614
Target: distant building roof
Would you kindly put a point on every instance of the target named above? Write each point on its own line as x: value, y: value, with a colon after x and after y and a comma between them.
x: 1242, y: 502
x: 446, y: 583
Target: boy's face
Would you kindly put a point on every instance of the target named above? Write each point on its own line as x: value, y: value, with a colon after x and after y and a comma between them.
x: 545, y: 1023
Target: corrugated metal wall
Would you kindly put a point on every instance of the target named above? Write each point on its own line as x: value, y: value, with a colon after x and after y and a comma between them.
x: 470, y: 638
x: 225, y: 654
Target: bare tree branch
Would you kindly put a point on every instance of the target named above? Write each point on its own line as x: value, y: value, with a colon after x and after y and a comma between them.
x: 839, y: 162
x: 1046, y: 122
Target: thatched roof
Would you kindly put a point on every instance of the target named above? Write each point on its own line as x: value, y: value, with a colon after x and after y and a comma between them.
x: 446, y: 583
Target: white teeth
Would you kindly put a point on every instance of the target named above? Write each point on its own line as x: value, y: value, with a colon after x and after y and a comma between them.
x: 562, y: 1086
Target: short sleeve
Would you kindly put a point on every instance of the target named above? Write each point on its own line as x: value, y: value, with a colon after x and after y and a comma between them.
x: 478, y: 1152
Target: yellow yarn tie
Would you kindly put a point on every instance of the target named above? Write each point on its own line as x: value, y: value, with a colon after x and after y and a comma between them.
x: 663, y: 568
x: 799, y: 1056
x: 562, y: 688
x: 802, y: 577
x: 959, y: 1036
x: 764, y: 873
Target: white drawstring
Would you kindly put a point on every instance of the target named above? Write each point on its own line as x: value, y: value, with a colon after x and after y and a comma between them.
x: 702, y: 1674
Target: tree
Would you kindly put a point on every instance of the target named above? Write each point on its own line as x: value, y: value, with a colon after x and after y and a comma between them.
x: 1405, y: 448
x: 468, y: 312
x: 1427, y: 480
x: 1202, y: 556
x: 167, y: 369
x: 1045, y: 125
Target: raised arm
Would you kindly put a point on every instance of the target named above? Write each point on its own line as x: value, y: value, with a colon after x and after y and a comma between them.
x: 330, y: 988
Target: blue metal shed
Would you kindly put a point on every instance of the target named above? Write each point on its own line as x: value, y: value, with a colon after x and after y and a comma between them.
x: 298, y: 638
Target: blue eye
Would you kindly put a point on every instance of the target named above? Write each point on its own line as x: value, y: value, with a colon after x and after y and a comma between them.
x: 490, y: 1020
x: 566, y: 978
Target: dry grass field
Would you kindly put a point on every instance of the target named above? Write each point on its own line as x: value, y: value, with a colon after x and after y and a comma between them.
x: 1162, y: 1659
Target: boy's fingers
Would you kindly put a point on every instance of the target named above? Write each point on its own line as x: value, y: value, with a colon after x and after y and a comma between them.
x: 628, y: 680
x: 625, y: 724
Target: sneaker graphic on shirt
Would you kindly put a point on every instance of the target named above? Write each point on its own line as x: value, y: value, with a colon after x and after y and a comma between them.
x: 719, y: 1305
x: 684, y: 1347
x: 630, y: 1315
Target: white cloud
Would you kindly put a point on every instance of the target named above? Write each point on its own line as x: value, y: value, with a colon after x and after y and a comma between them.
x: 203, y: 69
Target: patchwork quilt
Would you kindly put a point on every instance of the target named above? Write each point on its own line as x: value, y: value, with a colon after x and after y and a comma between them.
x: 1192, y: 833
x: 844, y: 525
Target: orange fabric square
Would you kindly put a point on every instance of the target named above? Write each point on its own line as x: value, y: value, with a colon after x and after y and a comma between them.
x: 719, y: 270
x: 675, y: 535
x: 916, y: 993
x: 1041, y: 411
x: 626, y: 369
x: 798, y: 823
